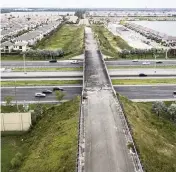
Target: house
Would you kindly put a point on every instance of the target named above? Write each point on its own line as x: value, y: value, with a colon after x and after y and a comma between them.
x: 21, y: 46
x: 7, y: 47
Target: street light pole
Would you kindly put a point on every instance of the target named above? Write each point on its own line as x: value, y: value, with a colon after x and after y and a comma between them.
x: 16, y: 96
x: 24, y: 63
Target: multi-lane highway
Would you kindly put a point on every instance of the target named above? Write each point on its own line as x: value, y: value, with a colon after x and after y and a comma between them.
x: 79, y: 74
x: 135, y: 93
x: 67, y: 63
x: 28, y: 93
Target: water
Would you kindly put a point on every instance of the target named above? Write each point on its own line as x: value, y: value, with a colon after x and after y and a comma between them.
x: 167, y: 27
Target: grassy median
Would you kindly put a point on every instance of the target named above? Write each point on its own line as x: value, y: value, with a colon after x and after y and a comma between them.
x: 39, y: 83
x: 143, y: 81
x: 155, y: 137
x: 51, y: 145
x: 48, y: 69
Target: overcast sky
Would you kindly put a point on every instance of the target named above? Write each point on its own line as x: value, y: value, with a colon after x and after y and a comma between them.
x: 90, y: 3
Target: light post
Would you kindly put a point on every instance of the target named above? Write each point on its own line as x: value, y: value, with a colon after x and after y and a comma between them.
x: 24, y: 62
x: 16, y: 96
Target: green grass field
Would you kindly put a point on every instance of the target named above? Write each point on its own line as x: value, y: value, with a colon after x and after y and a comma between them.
x: 50, y: 146
x: 70, y: 38
x: 43, y: 82
x: 48, y: 69
x: 155, y: 137
x: 142, y: 81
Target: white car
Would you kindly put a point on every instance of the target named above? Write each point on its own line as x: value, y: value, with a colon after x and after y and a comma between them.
x: 40, y: 95
x: 74, y: 62
x: 135, y: 60
x: 146, y: 63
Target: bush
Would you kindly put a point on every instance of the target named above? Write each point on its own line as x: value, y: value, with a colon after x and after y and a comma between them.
x: 17, y: 160
x: 159, y: 108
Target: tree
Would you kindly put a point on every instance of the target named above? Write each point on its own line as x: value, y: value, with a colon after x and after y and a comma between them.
x: 8, y: 100
x: 159, y: 108
x: 59, y: 95
x: 172, y: 111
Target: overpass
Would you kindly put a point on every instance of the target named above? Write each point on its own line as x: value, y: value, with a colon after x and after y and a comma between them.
x: 104, y: 133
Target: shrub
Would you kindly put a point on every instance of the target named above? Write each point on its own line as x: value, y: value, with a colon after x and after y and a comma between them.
x: 17, y: 160
x: 159, y: 108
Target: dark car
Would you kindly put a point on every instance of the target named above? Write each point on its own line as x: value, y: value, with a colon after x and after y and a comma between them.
x: 174, y: 93
x: 58, y: 89
x: 159, y: 62
x: 142, y: 74
x: 47, y: 91
x: 53, y: 61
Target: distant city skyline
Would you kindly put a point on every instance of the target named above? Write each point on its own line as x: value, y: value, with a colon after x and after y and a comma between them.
x: 90, y: 3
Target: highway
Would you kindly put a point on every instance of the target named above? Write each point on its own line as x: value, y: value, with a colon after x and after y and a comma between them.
x: 67, y: 63
x: 19, y: 64
x: 79, y: 74
x: 163, y: 92
x: 28, y: 93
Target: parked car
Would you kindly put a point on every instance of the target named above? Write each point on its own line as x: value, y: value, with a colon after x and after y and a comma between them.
x: 47, y: 91
x: 40, y: 95
x: 58, y: 89
x: 146, y: 63
x: 142, y: 74
x: 135, y: 60
x: 53, y: 61
x: 74, y: 62
x: 159, y: 62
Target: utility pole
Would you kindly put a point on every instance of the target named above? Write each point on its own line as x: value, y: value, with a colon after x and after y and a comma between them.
x: 16, y: 96
x: 24, y: 56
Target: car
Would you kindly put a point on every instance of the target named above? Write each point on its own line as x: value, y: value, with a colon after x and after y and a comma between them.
x: 135, y: 60
x: 53, y: 61
x: 159, y: 62
x: 146, y: 63
x: 74, y: 62
x: 40, y: 95
x: 58, y: 89
x: 174, y: 93
x: 47, y: 91
x: 142, y: 74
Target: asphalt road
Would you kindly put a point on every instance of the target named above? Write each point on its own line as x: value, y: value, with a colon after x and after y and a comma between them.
x: 105, y: 143
x: 78, y: 74
x: 28, y: 93
x: 19, y: 64
x: 132, y: 92
x: 67, y: 63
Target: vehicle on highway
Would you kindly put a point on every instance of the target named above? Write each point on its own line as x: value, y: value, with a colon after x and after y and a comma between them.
x: 58, y: 89
x: 53, y: 61
x: 135, y: 60
x: 174, y: 93
x: 142, y: 74
x: 40, y: 95
x: 159, y: 62
x: 74, y: 62
x: 47, y: 91
x: 146, y: 63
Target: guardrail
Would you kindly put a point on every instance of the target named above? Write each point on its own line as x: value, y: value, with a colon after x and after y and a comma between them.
x: 80, y: 153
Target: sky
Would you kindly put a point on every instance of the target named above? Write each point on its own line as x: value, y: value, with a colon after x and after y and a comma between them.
x: 90, y: 3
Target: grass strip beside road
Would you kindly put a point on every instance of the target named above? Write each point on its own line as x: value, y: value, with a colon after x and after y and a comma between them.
x: 50, y: 145
x: 40, y: 83
x: 142, y: 81
x: 155, y: 137
x: 48, y: 69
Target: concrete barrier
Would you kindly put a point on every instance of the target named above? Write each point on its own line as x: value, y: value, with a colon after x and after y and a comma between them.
x: 15, y: 121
